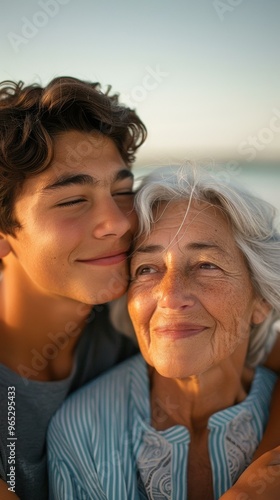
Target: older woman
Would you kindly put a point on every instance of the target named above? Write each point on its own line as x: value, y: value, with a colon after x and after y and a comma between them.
x: 182, y: 420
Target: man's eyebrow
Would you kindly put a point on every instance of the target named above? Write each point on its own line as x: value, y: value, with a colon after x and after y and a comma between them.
x: 68, y: 179
x: 123, y: 174
x: 83, y: 179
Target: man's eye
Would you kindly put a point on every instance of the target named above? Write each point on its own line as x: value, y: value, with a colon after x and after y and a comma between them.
x: 124, y: 193
x: 71, y: 202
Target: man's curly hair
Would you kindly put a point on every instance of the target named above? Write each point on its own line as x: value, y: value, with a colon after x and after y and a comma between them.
x: 32, y: 116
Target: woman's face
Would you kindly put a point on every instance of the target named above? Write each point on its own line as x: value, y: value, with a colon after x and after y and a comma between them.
x: 191, y: 299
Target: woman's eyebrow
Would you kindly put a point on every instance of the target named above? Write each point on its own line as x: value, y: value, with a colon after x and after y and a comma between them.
x: 149, y: 249
x: 188, y: 246
x: 219, y: 249
x: 84, y: 179
x: 201, y: 245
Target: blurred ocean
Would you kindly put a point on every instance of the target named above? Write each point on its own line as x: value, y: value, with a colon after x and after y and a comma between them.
x: 260, y: 179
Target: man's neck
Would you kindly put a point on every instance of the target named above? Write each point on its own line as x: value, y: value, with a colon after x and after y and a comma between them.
x: 39, y: 331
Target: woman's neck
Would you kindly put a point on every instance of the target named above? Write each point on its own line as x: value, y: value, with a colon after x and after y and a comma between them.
x: 191, y: 401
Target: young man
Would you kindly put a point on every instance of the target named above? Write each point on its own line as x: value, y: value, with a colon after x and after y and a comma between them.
x: 66, y: 223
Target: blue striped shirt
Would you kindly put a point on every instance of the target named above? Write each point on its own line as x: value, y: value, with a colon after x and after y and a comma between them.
x: 102, y: 446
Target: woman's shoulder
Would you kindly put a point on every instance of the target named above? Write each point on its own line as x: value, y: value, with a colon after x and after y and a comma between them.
x: 99, y: 396
x: 117, y: 377
x: 91, y: 431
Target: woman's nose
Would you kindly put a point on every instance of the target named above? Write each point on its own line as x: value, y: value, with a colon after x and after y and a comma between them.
x: 175, y: 292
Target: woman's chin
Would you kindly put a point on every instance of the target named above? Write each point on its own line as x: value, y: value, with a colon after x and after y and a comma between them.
x: 180, y: 369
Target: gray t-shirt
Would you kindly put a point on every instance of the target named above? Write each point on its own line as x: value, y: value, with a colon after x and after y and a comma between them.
x: 99, y: 348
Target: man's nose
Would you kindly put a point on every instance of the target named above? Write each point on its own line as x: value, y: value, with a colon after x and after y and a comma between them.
x: 111, y: 221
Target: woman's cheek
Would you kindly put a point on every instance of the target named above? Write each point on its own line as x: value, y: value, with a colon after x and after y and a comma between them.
x: 139, y: 305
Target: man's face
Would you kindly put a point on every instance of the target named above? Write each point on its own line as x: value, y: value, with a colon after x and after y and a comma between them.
x: 77, y: 222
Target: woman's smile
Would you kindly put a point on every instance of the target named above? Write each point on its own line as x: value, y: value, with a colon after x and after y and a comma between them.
x: 178, y: 330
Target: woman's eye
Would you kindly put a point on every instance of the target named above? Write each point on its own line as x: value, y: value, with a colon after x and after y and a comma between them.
x: 146, y: 270
x: 143, y: 271
x: 208, y: 265
x: 71, y: 202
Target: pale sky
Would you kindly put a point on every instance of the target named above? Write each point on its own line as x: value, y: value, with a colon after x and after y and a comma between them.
x: 204, y: 75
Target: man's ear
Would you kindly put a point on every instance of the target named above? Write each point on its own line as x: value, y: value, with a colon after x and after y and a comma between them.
x: 5, y: 246
x: 261, y: 311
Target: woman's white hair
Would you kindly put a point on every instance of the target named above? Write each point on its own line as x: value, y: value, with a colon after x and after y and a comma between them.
x: 253, y: 220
